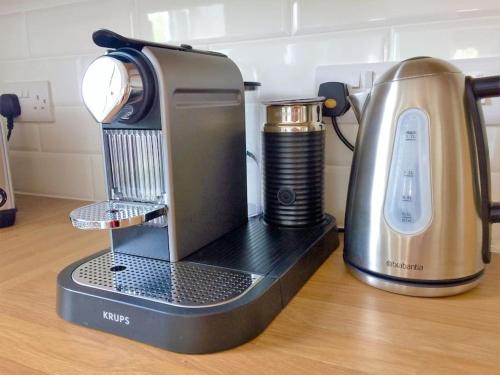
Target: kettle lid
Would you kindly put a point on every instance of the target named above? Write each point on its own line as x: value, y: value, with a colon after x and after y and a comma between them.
x: 417, y: 67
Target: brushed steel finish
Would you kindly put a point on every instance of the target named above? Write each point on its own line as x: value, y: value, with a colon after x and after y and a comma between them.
x: 202, y: 111
x: 416, y: 290
x: 293, y: 116
x: 417, y: 67
x: 450, y: 247
x: 115, y: 214
x: 109, y: 84
x: 183, y: 284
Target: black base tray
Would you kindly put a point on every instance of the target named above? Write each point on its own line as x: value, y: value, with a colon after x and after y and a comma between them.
x: 285, y: 257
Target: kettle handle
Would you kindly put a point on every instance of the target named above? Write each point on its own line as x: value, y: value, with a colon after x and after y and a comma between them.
x: 476, y: 89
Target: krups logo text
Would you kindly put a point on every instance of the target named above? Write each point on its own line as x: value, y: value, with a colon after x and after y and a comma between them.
x: 122, y: 319
x: 404, y: 266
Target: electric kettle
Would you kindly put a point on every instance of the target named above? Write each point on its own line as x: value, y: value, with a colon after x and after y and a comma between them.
x: 418, y: 215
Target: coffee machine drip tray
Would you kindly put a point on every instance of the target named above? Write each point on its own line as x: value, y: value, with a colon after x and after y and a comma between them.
x: 115, y: 214
x: 183, y: 284
x: 219, y: 297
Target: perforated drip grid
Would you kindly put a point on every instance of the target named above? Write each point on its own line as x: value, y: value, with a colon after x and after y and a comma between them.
x: 183, y: 284
x: 114, y: 214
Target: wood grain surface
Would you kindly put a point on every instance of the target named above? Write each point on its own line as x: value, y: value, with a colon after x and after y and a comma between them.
x: 335, y: 325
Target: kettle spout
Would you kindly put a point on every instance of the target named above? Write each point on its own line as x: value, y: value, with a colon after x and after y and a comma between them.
x: 358, y: 101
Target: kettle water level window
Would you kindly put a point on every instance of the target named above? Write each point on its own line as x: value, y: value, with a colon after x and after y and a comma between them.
x: 408, y: 200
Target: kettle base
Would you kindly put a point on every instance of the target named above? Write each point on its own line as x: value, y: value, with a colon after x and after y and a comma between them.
x: 412, y: 288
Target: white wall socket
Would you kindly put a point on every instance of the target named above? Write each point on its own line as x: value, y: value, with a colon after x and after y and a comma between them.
x: 35, y: 100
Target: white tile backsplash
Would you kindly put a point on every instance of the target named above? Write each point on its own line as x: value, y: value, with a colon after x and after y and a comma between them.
x: 448, y: 40
x: 337, y: 153
x: 44, y: 173
x: 322, y: 15
x: 67, y: 29
x: 74, y: 131
x: 9, y: 6
x: 284, y: 44
x: 61, y: 72
x: 336, y: 182
x: 180, y: 21
x: 286, y: 66
x: 26, y: 137
x: 493, y: 133
x: 98, y: 178
x: 13, y: 36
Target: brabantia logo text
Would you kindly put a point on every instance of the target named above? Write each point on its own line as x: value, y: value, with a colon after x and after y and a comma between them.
x: 118, y: 318
x: 404, y: 266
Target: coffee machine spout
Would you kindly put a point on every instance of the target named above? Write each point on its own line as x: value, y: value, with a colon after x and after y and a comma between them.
x: 358, y: 101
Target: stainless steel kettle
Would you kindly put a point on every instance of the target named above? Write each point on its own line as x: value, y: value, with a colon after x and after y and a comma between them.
x: 418, y: 216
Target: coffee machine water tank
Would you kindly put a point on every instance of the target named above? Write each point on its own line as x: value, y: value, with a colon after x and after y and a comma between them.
x: 254, y: 147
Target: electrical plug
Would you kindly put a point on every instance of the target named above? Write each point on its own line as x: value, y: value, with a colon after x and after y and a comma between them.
x: 10, y: 108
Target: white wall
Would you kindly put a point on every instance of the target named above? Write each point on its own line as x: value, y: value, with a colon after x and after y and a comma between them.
x: 277, y: 42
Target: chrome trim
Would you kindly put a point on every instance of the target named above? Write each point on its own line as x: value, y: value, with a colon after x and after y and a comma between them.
x: 413, y: 289
x: 183, y: 284
x: 136, y: 165
x: 109, y: 84
x: 115, y: 214
x: 292, y: 117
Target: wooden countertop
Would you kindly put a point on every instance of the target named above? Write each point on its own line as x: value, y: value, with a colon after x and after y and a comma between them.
x: 335, y: 324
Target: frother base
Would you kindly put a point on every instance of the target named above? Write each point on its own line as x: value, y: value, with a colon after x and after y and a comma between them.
x: 277, y: 261
x: 413, y: 288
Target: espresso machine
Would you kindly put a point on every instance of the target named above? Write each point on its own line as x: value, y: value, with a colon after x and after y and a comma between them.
x: 187, y: 270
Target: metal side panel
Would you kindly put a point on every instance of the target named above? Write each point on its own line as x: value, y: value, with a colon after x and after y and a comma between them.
x: 203, y: 119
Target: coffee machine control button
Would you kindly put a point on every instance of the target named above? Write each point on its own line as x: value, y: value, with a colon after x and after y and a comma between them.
x: 3, y: 197
x: 408, y: 201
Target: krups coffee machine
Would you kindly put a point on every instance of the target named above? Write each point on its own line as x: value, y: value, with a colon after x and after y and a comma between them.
x: 187, y: 270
